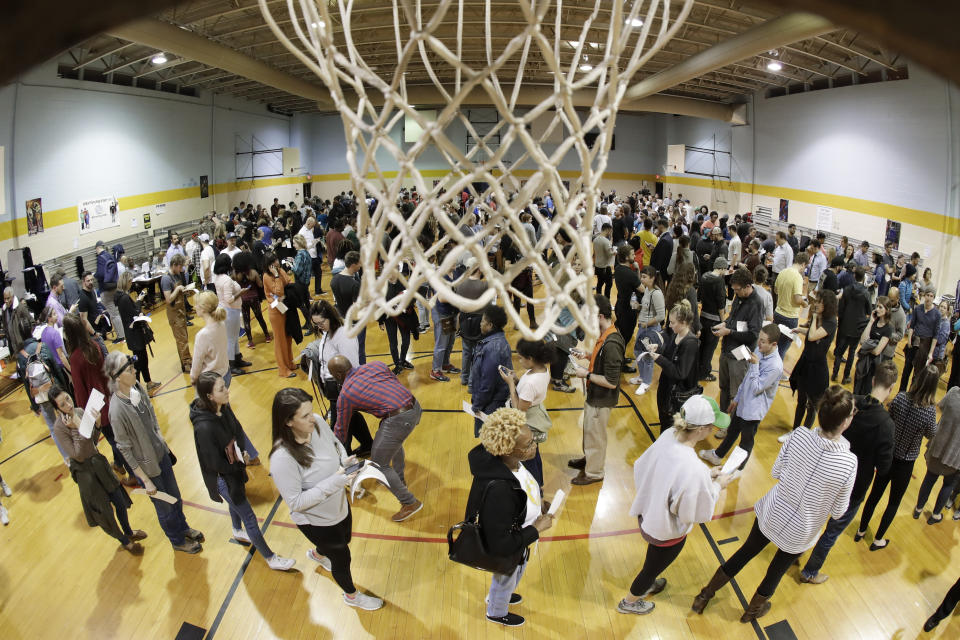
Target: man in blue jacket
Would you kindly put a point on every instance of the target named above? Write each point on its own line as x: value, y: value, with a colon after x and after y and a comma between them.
x: 489, y: 390
x: 107, y: 283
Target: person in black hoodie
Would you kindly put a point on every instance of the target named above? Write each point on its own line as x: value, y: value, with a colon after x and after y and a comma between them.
x: 677, y: 361
x: 713, y: 307
x: 219, y: 438
x: 506, y: 497
x: 871, y: 439
x: 852, y: 316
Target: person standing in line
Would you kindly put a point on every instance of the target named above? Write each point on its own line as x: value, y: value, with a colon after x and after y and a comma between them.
x: 528, y: 392
x: 346, y: 289
x: 852, y: 316
x: 229, y: 295
x: 790, y: 515
x: 372, y: 388
x: 470, y: 334
x: 741, y: 328
x: 219, y: 439
x: 790, y: 300
x: 275, y: 281
x: 660, y: 257
x: 754, y: 398
x: 628, y: 286
x: 871, y: 439
x: 205, y: 266
x: 782, y: 258
x: 945, y: 609
x: 898, y: 321
x: 143, y: 446
x: 210, y: 343
x: 914, y: 418
x: 136, y: 331
x: 876, y: 333
x: 922, y: 330
x: 603, y: 258
x: 677, y: 361
x: 302, y: 272
x: 309, y: 233
x: 507, y: 502
x: 602, y: 379
x: 251, y: 294
x: 401, y: 324
x: 101, y: 494
x: 650, y: 324
x: 107, y: 275
x: 943, y: 457
x: 50, y: 336
x: 175, y: 295
x: 760, y: 278
x: 674, y: 492
x: 713, y: 299
x: 53, y: 300
x: 489, y: 391
x: 811, y: 373
x: 308, y: 464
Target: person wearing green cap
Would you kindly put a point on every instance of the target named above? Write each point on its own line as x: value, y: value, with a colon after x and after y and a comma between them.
x: 675, y: 491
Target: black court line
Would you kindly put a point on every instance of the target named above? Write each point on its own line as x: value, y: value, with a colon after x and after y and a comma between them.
x: 703, y: 527
x: 16, y: 453
x: 780, y: 631
x: 243, y: 569
x: 190, y: 632
x: 728, y: 540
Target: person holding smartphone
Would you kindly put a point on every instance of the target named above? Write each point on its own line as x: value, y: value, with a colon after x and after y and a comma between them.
x: 309, y: 466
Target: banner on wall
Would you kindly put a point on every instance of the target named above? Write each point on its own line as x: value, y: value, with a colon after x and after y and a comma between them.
x: 34, y: 216
x: 893, y: 234
x: 784, y: 210
x: 204, y: 187
x: 97, y: 214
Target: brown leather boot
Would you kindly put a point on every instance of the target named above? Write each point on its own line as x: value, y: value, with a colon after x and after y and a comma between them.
x: 718, y: 580
x: 759, y: 606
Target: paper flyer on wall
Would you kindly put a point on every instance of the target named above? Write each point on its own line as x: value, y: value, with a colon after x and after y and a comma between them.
x: 98, y: 213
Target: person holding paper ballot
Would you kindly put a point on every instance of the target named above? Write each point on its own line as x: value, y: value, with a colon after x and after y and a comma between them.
x: 790, y: 300
x: 275, y: 281
x: 219, y: 437
x: 528, y: 392
x: 308, y: 465
x: 790, y: 514
x: 753, y: 399
x: 508, y: 502
x: 678, y: 363
x: 873, y: 341
x: 740, y: 328
x: 811, y: 373
x: 135, y: 330
x: 139, y: 439
x: 175, y: 295
x: 674, y: 492
x: 853, y: 315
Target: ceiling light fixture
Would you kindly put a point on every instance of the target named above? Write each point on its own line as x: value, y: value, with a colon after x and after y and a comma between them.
x: 773, y: 65
x: 317, y: 25
x: 586, y: 67
x: 635, y: 23
x: 159, y: 59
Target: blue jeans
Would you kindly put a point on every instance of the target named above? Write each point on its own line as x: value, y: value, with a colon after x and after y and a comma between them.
x: 783, y: 345
x: 242, y: 516
x: 829, y: 538
x: 442, y: 343
x: 469, y: 348
x: 362, y: 346
x: 50, y: 417
x: 233, y: 323
x: 172, y: 520
x: 247, y: 443
x: 501, y: 587
x: 645, y: 365
x: 387, y: 450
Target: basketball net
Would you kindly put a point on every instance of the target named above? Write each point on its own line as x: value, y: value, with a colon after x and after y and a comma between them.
x: 374, y: 103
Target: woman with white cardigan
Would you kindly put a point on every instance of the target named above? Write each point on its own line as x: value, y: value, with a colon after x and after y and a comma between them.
x: 675, y: 491
x: 791, y: 515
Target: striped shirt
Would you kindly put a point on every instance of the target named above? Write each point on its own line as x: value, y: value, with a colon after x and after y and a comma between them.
x: 372, y: 388
x: 815, y: 479
x: 913, y: 424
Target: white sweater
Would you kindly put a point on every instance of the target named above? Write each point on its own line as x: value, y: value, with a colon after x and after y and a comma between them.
x: 674, y: 489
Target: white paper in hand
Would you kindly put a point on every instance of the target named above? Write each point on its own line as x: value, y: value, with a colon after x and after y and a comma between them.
x: 737, y: 456
x: 279, y: 306
x: 742, y: 326
x: 558, y: 499
x: 468, y: 409
x: 369, y: 470
x: 741, y: 352
x: 790, y: 333
x: 141, y: 318
x: 159, y: 495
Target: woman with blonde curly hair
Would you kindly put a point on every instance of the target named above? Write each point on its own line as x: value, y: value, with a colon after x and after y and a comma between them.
x: 507, y: 499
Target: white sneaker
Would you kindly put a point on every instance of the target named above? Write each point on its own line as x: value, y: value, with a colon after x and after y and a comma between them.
x: 323, y: 561
x: 635, y: 380
x: 6, y: 489
x: 278, y: 563
x: 783, y: 438
x: 642, y: 389
x: 241, y: 535
x: 710, y: 455
x: 363, y: 601
x: 4, y: 515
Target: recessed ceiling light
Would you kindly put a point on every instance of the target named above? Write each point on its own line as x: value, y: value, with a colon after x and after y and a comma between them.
x: 773, y: 65
x: 573, y: 44
x: 317, y: 25
x: 635, y: 22
x: 159, y: 59
x: 586, y: 67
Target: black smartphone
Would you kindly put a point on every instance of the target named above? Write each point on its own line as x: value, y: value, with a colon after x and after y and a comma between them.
x: 354, y: 467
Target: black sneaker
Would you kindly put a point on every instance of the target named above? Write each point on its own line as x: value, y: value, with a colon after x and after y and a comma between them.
x: 709, y: 378
x: 450, y: 369
x: 118, y: 340
x: 406, y: 365
x: 240, y: 362
x: 577, y: 463
x: 397, y: 370
x: 509, y: 620
x: 515, y: 598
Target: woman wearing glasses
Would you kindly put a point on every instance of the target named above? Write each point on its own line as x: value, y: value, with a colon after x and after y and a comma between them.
x: 139, y: 439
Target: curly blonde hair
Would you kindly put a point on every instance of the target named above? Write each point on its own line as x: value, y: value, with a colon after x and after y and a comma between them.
x: 499, y: 433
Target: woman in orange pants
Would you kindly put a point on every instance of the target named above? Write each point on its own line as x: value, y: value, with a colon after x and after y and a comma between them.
x: 274, y: 283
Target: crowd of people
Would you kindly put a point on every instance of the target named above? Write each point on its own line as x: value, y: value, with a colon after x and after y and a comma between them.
x: 673, y: 284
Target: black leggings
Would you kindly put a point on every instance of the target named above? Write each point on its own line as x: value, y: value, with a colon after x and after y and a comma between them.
x: 806, y: 404
x: 753, y: 545
x: 930, y: 479
x: 848, y: 344
x: 899, y: 480
x: 142, y: 365
x: 117, y: 499
x: 604, y: 280
x: 746, y: 430
x: 909, y: 355
x: 246, y: 307
x: 399, y: 357
x: 655, y: 563
x: 949, y: 602
x: 333, y: 542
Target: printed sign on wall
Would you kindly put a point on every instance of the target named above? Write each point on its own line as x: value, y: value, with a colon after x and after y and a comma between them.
x: 98, y: 213
x: 204, y: 187
x: 784, y: 210
x: 34, y: 216
x: 893, y: 234
x: 146, y: 221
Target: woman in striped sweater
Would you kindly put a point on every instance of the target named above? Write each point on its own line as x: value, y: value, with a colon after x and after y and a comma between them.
x: 790, y: 516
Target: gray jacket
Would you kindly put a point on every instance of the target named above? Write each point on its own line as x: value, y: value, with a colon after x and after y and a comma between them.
x: 137, y: 432
x: 898, y: 320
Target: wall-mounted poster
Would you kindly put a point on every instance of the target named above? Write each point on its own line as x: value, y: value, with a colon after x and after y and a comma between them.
x: 825, y: 219
x: 204, y: 187
x: 893, y: 234
x: 784, y: 210
x: 146, y: 221
x: 97, y: 214
x: 34, y: 216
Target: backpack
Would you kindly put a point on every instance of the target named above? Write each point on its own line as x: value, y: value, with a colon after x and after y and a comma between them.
x: 38, y: 377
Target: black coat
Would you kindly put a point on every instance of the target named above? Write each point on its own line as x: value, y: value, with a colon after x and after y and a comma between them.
x: 213, y: 434
x: 504, y: 508
x: 870, y: 435
x: 136, y: 340
x: 294, y: 302
x: 660, y: 257
x: 854, y: 310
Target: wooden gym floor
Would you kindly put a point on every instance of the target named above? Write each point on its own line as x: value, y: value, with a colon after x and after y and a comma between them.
x: 62, y: 579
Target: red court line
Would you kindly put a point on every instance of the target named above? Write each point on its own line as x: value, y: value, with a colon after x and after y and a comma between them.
x: 384, y: 536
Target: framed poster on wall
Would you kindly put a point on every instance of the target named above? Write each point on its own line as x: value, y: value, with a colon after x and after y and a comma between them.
x: 34, y: 216
x: 98, y: 213
x: 204, y: 187
x: 893, y: 234
x: 784, y: 210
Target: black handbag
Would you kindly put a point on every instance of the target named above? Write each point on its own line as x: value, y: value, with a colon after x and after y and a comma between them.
x: 469, y: 549
x: 679, y: 396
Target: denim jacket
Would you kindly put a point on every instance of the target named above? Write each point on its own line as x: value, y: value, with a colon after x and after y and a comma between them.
x: 490, y: 392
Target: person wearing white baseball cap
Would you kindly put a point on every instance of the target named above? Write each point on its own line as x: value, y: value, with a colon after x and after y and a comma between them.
x: 675, y: 491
